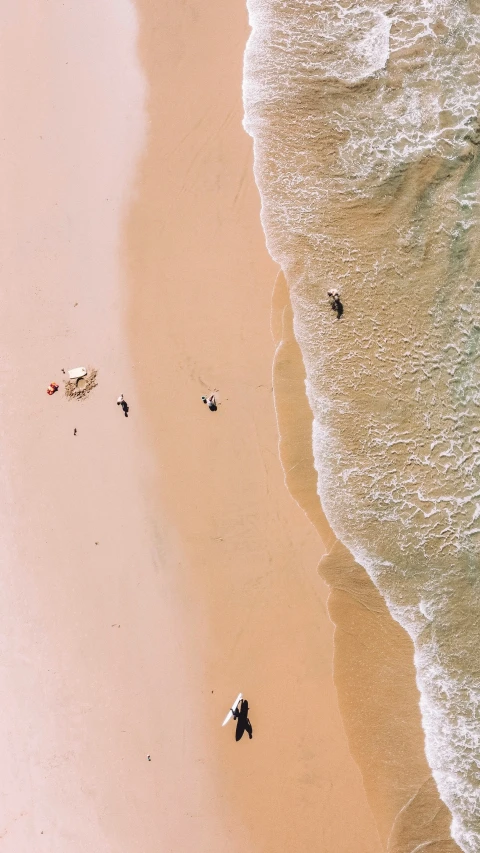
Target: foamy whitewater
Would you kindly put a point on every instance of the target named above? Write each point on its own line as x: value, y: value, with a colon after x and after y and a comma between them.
x: 364, y: 120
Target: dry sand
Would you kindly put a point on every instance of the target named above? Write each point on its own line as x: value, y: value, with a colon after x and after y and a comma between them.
x: 154, y: 566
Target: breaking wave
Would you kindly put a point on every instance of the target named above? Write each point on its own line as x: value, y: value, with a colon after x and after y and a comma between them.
x: 364, y: 120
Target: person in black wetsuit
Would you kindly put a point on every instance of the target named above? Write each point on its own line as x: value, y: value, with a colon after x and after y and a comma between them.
x: 240, y: 714
x: 335, y: 301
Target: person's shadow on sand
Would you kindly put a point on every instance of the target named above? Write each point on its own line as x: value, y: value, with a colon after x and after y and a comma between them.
x: 125, y: 407
x: 243, y: 723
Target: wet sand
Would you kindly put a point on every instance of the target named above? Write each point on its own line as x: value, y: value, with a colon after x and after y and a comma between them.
x: 201, y: 285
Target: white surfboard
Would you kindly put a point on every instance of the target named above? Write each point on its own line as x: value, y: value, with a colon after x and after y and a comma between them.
x: 230, y: 715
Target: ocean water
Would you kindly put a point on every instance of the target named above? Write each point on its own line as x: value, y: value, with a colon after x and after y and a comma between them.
x: 366, y: 141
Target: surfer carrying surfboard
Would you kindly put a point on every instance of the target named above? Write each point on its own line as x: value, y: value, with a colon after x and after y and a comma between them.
x: 240, y: 713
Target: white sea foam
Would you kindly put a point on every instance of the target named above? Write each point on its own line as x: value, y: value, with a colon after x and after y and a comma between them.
x: 362, y: 110
x: 312, y: 42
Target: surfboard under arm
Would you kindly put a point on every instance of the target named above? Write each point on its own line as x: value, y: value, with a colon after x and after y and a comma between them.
x: 230, y: 715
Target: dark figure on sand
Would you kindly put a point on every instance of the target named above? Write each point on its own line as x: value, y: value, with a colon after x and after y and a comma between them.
x: 123, y: 403
x: 335, y: 301
x: 240, y: 714
x: 211, y: 403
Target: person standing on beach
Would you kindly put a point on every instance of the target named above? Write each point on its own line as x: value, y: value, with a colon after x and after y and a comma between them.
x: 335, y: 301
x: 210, y: 401
x: 123, y: 403
x: 240, y: 713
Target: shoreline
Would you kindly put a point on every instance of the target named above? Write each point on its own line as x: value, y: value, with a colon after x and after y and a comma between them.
x: 374, y: 672
x: 200, y: 307
x: 156, y: 565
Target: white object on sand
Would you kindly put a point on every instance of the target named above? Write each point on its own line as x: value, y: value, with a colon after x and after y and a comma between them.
x: 77, y: 372
x: 230, y: 715
x: 120, y: 399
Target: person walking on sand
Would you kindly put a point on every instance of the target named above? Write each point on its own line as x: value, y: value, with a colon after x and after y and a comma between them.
x: 240, y: 713
x: 335, y: 301
x: 123, y: 403
x: 211, y: 403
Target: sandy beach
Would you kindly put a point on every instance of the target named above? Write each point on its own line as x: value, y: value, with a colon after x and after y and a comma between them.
x: 201, y: 286
x: 156, y: 565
